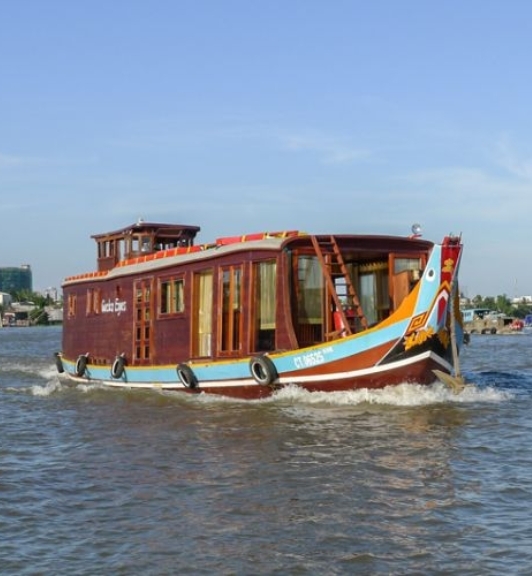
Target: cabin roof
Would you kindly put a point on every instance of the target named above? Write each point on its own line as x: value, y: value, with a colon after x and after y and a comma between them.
x: 362, y: 247
x: 157, y: 229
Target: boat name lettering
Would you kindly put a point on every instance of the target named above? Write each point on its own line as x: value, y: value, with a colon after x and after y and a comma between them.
x: 116, y: 305
x: 310, y: 359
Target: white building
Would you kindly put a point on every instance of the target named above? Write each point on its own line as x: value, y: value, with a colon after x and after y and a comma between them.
x: 521, y: 300
x: 5, y: 299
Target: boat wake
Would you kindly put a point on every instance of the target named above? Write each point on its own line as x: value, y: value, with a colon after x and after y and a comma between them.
x: 52, y: 386
x: 399, y: 395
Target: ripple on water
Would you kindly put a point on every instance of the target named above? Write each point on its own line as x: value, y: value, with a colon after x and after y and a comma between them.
x: 406, y: 480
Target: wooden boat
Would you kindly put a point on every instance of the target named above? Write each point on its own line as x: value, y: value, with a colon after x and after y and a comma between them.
x: 246, y: 315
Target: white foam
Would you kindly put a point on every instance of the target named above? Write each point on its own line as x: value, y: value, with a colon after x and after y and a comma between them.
x: 17, y: 367
x: 48, y: 373
x: 399, y: 395
x: 50, y: 387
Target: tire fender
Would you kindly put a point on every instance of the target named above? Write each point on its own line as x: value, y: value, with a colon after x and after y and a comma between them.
x: 186, y: 376
x: 263, y: 370
x: 117, y: 369
x: 81, y: 364
x: 59, y: 362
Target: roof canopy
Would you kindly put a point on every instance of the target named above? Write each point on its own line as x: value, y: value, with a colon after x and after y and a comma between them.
x: 163, y: 232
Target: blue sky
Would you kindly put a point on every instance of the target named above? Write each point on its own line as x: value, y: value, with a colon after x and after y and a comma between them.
x: 245, y: 116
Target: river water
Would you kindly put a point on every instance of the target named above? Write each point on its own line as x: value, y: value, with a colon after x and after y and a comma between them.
x: 409, y: 480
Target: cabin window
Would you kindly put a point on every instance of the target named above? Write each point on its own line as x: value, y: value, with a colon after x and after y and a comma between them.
x: 374, y: 291
x: 406, y: 272
x: 108, y: 255
x: 93, y: 302
x: 145, y: 244
x: 402, y: 264
x: 310, y: 280
x: 231, y: 295
x: 368, y: 297
x: 309, y: 295
x: 88, y: 304
x: 72, y: 305
x: 143, y: 316
x: 172, y: 299
x: 97, y: 301
x: 106, y: 248
x: 202, y: 314
x: 263, y: 306
x: 141, y: 244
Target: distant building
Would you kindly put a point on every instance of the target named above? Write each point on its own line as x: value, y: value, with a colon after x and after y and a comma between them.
x: 5, y: 299
x: 55, y: 315
x: 51, y: 293
x: 522, y: 300
x: 16, y: 279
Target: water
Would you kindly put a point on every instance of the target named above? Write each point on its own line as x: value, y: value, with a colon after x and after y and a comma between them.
x: 403, y: 481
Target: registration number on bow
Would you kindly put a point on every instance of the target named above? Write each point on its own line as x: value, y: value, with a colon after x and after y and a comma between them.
x: 309, y: 359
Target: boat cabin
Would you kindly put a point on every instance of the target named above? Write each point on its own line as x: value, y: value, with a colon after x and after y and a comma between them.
x: 157, y: 297
x: 142, y: 238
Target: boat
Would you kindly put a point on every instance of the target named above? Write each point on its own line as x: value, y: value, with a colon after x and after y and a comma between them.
x: 246, y: 315
x: 488, y: 321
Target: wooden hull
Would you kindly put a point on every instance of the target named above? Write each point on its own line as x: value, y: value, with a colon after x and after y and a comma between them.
x: 417, y: 369
x: 346, y: 364
x: 118, y: 331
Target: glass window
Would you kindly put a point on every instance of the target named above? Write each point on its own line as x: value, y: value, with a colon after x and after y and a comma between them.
x: 310, y: 290
x: 402, y: 264
x: 172, y: 296
x: 264, y: 278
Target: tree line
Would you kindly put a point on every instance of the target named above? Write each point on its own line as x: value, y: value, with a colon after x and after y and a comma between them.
x: 38, y: 315
x: 502, y: 304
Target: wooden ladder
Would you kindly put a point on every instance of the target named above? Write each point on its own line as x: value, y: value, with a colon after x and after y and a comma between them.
x: 336, y: 276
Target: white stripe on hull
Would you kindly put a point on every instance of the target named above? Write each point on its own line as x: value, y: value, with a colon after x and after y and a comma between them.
x: 300, y: 380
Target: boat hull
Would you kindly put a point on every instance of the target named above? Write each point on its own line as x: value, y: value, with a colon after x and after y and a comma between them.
x: 233, y: 320
x: 416, y: 370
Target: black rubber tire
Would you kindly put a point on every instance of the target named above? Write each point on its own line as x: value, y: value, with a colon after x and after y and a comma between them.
x: 263, y: 370
x: 117, y: 369
x: 186, y: 376
x: 59, y: 363
x: 81, y: 365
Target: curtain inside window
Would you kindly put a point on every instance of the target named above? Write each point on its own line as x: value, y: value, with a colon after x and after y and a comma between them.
x: 267, y: 272
x: 205, y: 314
x: 310, y: 279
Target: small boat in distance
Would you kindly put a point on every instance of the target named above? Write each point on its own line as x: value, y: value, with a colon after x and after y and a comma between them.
x: 246, y: 315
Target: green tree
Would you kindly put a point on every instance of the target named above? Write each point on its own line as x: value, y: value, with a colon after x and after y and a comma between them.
x: 522, y: 309
x: 504, y: 304
x: 489, y: 302
x: 29, y: 296
x: 477, y: 301
x: 39, y: 316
